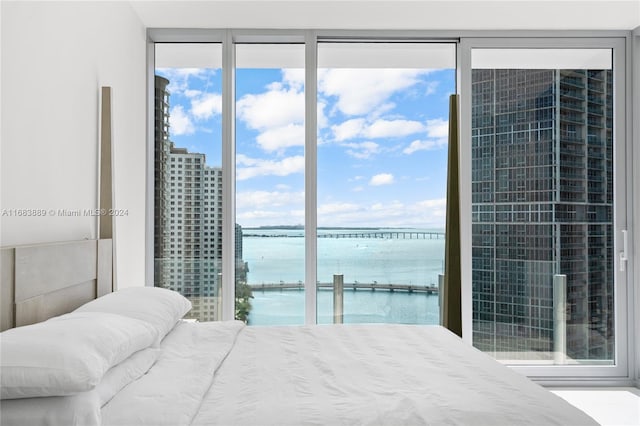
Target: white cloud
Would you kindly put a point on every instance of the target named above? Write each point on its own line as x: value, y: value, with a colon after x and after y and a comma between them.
x: 192, y: 93
x: 393, y: 128
x: 381, y: 128
x: 336, y: 208
x: 440, y: 203
x: 390, y: 206
x: 258, y: 214
x: 431, y: 87
x: 429, y: 211
x: 381, y: 179
x: 348, y: 129
x: 425, y: 213
x: 323, y: 121
x: 294, y: 77
x: 270, y: 217
x: 438, y: 128
x: 361, y: 91
x: 179, y: 77
x: 363, y: 150
x: 179, y: 121
x: 421, y: 214
x: 437, y: 132
x: 278, y: 138
x: 419, y: 145
x: 248, y: 168
x: 261, y: 199
x: 391, y: 214
x: 278, y: 113
x: 275, y: 108
x: 206, y: 105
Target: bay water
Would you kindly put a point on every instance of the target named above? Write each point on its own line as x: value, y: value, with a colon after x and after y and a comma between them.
x: 276, y: 256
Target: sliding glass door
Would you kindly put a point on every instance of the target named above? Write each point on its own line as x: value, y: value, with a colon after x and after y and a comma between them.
x: 547, y: 204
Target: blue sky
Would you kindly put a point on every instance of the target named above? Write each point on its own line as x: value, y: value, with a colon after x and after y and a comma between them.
x: 382, y: 142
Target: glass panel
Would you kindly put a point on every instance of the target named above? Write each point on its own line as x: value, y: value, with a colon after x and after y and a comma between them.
x: 270, y: 180
x: 382, y: 163
x: 188, y: 174
x: 542, y: 205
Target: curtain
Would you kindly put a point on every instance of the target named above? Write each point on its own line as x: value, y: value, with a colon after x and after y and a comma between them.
x: 452, y: 308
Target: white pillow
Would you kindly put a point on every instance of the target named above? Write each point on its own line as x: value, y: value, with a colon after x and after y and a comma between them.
x: 82, y: 409
x: 77, y: 410
x: 67, y: 354
x: 124, y: 373
x: 158, y: 306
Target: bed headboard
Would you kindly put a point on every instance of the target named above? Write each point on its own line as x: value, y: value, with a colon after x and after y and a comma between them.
x: 41, y: 281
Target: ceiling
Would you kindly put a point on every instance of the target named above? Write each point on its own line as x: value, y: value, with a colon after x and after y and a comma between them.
x: 392, y: 15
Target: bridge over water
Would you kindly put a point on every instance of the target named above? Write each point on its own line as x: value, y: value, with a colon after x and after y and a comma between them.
x: 408, y: 235
x: 429, y: 289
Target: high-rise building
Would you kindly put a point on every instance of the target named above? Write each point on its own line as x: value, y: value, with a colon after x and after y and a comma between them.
x: 161, y: 155
x: 542, y: 206
x: 188, y: 219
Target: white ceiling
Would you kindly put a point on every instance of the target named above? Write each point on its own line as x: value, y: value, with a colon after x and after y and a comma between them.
x: 392, y: 15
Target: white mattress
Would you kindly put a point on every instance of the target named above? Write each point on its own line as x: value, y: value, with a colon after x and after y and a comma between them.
x: 229, y: 374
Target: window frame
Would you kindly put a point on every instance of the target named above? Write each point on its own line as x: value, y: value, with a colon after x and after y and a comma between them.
x: 621, y: 370
x: 625, y: 340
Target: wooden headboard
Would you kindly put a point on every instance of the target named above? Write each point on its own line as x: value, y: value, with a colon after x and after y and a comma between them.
x: 41, y: 281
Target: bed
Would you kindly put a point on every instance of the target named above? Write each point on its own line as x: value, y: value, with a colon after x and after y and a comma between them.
x: 127, y: 358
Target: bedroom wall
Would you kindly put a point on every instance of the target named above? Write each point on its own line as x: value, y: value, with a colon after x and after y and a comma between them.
x: 55, y: 57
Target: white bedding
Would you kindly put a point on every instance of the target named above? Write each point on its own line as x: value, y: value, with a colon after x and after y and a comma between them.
x: 171, y: 392
x: 229, y: 374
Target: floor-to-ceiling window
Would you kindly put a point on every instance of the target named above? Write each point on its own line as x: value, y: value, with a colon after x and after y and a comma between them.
x: 349, y: 158
x: 382, y: 177
x: 381, y: 142
x: 188, y: 173
x: 270, y: 108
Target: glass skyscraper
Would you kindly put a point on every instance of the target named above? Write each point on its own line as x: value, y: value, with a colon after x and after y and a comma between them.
x: 542, y: 206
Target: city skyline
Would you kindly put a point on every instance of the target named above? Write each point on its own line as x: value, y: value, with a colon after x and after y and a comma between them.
x: 381, y: 152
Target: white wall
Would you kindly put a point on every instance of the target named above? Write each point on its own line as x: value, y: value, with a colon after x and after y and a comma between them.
x: 55, y: 57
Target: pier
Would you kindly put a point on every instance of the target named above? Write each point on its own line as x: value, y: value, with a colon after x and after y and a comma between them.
x: 410, y: 288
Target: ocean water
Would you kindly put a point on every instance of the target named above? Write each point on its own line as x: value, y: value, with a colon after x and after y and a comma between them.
x: 277, y: 256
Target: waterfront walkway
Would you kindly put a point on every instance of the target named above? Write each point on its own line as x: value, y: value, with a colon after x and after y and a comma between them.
x: 351, y: 286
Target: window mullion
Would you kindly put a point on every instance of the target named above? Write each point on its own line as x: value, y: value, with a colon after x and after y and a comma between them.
x: 228, y: 176
x: 311, y: 217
